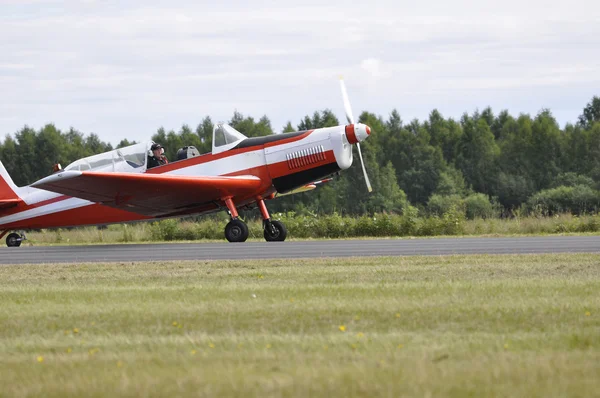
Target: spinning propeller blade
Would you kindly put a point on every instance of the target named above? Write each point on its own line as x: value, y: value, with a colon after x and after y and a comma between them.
x: 350, y: 118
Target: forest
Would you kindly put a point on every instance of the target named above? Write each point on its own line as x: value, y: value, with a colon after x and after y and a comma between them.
x: 485, y: 164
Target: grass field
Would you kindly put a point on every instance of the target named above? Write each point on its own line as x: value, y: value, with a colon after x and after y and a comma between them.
x: 321, y: 227
x: 457, y: 326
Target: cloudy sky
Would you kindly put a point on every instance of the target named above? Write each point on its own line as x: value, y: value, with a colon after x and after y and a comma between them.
x: 122, y: 69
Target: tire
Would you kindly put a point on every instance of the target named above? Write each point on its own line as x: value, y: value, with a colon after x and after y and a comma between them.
x: 13, y: 240
x: 236, y: 231
x: 278, y: 234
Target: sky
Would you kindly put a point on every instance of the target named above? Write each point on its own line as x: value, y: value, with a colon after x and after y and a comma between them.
x: 123, y: 69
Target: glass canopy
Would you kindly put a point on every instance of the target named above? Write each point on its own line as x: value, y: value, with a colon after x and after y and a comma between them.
x: 128, y: 159
x: 225, y: 137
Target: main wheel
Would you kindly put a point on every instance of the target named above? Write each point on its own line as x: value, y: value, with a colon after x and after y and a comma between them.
x: 277, y: 232
x: 236, y: 231
x: 13, y: 240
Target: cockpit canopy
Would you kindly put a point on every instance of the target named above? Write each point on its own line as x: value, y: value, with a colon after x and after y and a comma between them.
x: 225, y: 137
x: 127, y: 159
x: 133, y: 158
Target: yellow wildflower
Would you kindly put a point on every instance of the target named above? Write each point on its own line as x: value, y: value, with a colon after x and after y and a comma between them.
x: 397, y: 315
x: 175, y: 323
x: 69, y: 350
x: 75, y: 330
x: 193, y: 352
x: 40, y: 359
x: 587, y: 313
x: 342, y: 328
x: 400, y: 345
x: 360, y: 335
x: 211, y: 345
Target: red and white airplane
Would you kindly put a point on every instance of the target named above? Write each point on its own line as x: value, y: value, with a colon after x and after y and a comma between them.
x: 240, y: 172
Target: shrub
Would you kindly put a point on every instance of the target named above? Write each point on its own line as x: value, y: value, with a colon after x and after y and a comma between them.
x: 478, y: 205
x: 579, y: 199
x: 453, y: 221
x: 409, y: 222
x: 438, y: 204
x: 164, y: 230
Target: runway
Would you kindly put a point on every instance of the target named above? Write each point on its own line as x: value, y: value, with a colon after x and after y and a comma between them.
x: 297, y: 249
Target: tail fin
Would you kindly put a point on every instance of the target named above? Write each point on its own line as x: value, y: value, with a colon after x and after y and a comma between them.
x: 8, y: 190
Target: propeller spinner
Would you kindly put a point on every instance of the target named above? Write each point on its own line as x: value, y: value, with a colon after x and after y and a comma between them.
x: 355, y: 132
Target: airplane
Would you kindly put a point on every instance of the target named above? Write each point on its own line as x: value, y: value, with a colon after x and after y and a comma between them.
x: 239, y: 172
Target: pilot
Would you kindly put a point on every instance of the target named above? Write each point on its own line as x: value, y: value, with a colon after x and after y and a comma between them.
x: 158, y: 158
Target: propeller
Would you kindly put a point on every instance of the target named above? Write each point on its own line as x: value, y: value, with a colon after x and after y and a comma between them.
x: 350, y: 118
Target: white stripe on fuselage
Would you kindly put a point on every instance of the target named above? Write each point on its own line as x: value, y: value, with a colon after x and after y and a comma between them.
x: 67, y: 204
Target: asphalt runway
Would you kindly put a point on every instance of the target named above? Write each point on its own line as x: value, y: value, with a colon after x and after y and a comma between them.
x: 297, y: 249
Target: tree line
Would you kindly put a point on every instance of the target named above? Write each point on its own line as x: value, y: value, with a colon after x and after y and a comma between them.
x: 486, y: 164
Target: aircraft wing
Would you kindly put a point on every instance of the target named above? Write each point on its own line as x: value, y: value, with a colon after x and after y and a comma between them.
x: 148, y: 194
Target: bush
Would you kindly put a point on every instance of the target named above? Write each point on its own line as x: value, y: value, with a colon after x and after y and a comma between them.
x: 164, y: 230
x: 409, y: 222
x: 453, y: 221
x: 478, y: 205
x: 571, y: 180
x: 579, y: 199
x: 438, y: 204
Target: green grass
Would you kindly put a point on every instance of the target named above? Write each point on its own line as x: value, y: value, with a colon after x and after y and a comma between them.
x: 457, y: 326
x: 322, y: 227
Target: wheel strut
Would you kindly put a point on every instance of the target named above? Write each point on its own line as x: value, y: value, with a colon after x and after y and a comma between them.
x: 273, y: 230
x: 236, y: 230
x: 267, y: 225
x: 231, y: 207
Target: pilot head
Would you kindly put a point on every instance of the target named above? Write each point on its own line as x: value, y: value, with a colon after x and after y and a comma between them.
x: 157, y: 150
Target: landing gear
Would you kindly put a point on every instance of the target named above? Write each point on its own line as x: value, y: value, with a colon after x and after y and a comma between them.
x: 14, y: 239
x: 236, y: 230
x: 274, y: 231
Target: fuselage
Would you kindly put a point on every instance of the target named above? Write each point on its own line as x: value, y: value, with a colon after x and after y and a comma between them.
x: 282, y: 162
